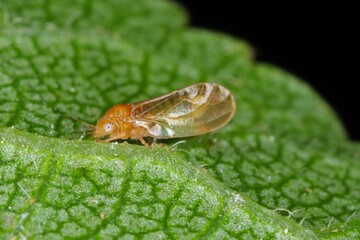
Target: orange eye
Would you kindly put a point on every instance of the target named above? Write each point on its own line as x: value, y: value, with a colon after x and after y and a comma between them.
x: 108, y: 127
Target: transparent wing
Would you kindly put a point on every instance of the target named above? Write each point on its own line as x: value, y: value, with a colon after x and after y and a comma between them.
x: 190, y: 111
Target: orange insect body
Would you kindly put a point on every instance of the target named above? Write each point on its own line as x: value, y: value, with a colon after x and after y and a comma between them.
x: 186, y: 112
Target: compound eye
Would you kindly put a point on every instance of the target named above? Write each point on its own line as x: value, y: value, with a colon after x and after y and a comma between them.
x: 108, y: 127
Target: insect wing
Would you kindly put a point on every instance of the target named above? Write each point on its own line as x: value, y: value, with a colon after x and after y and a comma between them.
x: 190, y: 111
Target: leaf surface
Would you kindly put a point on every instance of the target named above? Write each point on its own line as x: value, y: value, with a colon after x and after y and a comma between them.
x: 282, y: 168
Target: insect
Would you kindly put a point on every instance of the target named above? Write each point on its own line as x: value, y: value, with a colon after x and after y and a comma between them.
x: 186, y: 112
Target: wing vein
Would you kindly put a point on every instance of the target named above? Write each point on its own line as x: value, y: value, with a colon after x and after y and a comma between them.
x: 159, y: 103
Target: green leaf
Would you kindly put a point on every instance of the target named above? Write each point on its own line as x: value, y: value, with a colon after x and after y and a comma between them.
x: 282, y: 168
x: 84, y: 189
x: 143, y: 22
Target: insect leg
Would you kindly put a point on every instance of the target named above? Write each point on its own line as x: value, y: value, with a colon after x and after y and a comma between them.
x: 138, y: 133
x: 113, y: 137
x: 142, y: 140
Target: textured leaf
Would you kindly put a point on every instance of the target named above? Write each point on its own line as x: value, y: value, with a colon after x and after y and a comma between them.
x: 143, y: 22
x: 84, y: 189
x: 282, y: 168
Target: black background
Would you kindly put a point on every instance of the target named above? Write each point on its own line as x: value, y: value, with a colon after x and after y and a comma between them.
x: 315, y: 41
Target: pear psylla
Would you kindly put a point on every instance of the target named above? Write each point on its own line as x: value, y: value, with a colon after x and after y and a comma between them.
x: 190, y: 111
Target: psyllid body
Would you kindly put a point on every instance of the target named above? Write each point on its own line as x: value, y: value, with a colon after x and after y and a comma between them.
x: 186, y: 112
